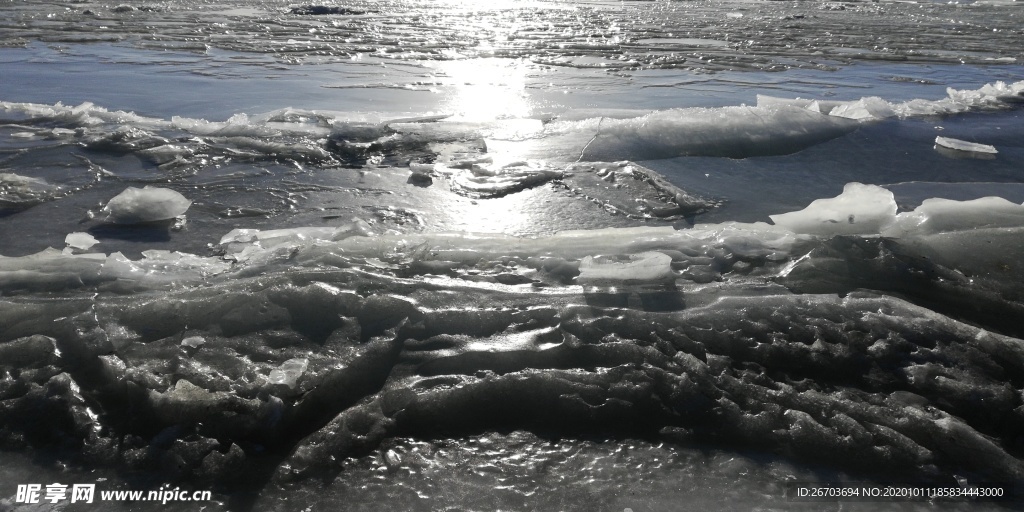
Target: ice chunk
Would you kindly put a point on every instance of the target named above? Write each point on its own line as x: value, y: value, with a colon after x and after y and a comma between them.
x: 819, y: 106
x: 289, y: 372
x: 84, y: 115
x: 421, y: 168
x: 54, y: 270
x: 193, y: 341
x: 995, y: 252
x: 166, y: 153
x: 980, y: 236
x: 635, y: 190
x: 497, y: 181
x: 734, y: 132
x: 237, y: 126
x: 308, y: 151
x: 81, y: 241
x: 989, y: 94
x: 999, y: 95
x: 944, y: 215
x: 185, y: 391
x: 240, y: 244
x: 239, y: 235
x: 864, y: 109
x: 859, y: 210
x: 20, y: 192
x: 647, y: 267
x: 49, y: 270
x: 962, y: 145
x: 29, y: 350
x: 420, y: 174
x: 148, y: 204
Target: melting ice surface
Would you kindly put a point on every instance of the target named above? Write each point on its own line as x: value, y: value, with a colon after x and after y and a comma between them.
x: 525, y: 256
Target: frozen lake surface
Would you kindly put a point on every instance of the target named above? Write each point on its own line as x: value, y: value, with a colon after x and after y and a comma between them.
x: 511, y: 255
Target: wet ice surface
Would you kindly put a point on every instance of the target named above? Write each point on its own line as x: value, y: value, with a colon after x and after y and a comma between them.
x: 699, y: 35
x: 599, y: 255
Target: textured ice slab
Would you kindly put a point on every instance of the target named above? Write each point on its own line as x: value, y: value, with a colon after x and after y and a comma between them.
x: 646, y: 267
x: 148, y: 204
x: 860, y: 209
x: 963, y: 145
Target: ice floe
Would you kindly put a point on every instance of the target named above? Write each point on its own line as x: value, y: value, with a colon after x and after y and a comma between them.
x: 148, y: 204
x: 963, y: 145
x: 81, y: 241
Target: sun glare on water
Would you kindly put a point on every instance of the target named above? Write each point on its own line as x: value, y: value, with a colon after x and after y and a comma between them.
x: 485, y: 89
